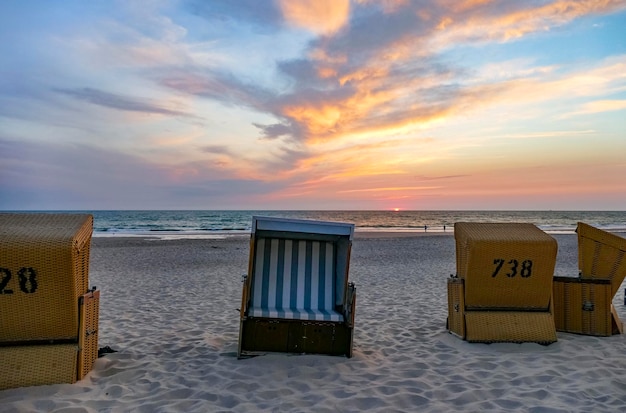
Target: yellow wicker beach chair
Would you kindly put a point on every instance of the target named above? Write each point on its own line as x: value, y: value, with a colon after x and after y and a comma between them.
x: 583, y: 304
x: 502, y: 291
x: 48, y: 314
x: 296, y: 297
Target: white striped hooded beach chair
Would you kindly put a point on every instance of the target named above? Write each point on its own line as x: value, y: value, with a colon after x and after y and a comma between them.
x: 296, y: 297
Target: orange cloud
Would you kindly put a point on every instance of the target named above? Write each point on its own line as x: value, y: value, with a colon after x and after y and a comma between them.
x: 384, y: 97
x: 598, y: 106
x: 362, y: 165
x: 377, y: 104
x: 319, y: 54
x: 382, y: 101
x: 318, y: 16
x: 605, y: 78
x: 387, y: 189
x: 379, y: 95
x: 357, y: 155
x: 474, y: 23
x: 317, y: 119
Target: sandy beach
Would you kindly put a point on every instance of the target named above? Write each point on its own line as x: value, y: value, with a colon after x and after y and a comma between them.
x: 169, y: 307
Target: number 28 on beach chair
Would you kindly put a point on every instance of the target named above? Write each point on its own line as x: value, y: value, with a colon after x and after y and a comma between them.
x: 583, y: 304
x: 296, y: 297
x: 48, y: 315
x: 502, y: 291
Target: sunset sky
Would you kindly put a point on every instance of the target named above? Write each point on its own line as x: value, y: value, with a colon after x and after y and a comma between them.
x: 313, y: 104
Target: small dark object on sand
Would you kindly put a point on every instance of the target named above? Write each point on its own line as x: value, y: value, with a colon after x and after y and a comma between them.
x: 103, y: 351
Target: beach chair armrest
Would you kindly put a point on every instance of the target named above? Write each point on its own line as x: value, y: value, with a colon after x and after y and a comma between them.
x: 245, y: 296
x: 350, y: 305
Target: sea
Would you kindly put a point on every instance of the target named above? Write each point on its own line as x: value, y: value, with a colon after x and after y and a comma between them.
x: 217, y: 224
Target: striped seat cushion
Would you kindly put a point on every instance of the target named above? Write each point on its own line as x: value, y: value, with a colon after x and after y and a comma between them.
x: 294, y: 279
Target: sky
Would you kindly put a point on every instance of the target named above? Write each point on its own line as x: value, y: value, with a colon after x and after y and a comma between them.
x: 313, y: 104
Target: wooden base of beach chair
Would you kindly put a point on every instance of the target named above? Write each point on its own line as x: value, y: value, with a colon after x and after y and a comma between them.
x: 483, y: 326
x: 584, y: 306
x: 259, y: 335
x: 38, y: 363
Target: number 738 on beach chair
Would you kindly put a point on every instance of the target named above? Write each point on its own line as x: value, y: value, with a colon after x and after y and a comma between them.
x: 296, y: 296
x: 502, y: 291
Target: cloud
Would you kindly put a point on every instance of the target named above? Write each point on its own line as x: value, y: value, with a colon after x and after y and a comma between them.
x: 390, y: 189
x: 118, y: 102
x: 604, y: 77
x: 213, y: 84
x: 443, y: 177
x: 67, y: 176
x: 318, y: 96
x: 216, y: 149
x: 470, y: 21
x: 70, y: 176
x: 382, y: 71
x: 597, y: 106
x: 320, y: 16
x: 278, y: 130
x: 549, y: 134
x: 363, y: 124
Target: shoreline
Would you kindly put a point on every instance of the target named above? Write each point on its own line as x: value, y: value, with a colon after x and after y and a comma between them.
x: 217, y: 236
x: 223, y: 235
x: 357, y: 235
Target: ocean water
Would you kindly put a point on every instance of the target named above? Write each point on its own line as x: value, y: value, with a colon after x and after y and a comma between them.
x: 220, y: 223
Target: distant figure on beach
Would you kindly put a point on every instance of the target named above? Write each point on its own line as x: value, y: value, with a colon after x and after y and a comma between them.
x: 425, y: 228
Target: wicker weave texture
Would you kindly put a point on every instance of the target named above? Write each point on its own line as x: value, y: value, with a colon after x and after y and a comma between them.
x: 505, y: 265
x: 510, y: 326
x: 601, y: 255
x: 583, y: 306
x: 44, y: 267
x: 37, y: 365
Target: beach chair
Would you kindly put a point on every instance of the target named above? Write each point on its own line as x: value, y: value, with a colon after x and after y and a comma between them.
x: 48, y: 314
x: 296, y: 296
x: 502, y: 291
x: 584, y: 304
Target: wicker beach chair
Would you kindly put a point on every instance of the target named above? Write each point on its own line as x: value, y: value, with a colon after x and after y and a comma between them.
x: 48, y: 314
x: 296, y: 297
x: 584, y: 304
x: 502, y: 291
